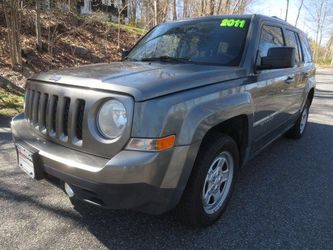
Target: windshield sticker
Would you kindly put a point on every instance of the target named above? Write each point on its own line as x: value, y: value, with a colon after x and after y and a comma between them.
x: 236, y: 23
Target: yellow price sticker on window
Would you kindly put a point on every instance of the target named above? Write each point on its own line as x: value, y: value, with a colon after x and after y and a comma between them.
x: 236, y: 23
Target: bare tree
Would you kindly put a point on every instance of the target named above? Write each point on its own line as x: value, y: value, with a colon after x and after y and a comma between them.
x: 299, y: 11
x: 38, y: 26
x: 120, y: 11
x: 72, y: 6
x: 330, y: 47
x: 174, y: 10
x: 186, y: 8
x: 211, y: 7
x: 133, y: 5
x: 287, y: 10
x: 153, y: 12
x: 11, y: 10
x: 227, y: 7
x: 156, y: 6
x: 317, y: 15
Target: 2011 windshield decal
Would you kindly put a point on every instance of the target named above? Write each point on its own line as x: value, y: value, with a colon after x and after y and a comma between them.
x: 236, y: 23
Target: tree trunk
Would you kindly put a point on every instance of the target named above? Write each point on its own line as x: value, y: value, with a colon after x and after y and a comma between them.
x: 211, y: 7
x: 202, y: 7
x: 330, y: 47
x: 299, y: 11
x: 287, y: 10
x: 11, y: 9
x: 155, y: 12
x: 72, y: 6
x: 120, y: 11
x: 185, y: 9
x: 38, y: 27
x: 219, y: 7
x: 320, y: 22
x: 118, y: 31
x: 174, y: 10
x: 132, y: 5
x: 227, y: 7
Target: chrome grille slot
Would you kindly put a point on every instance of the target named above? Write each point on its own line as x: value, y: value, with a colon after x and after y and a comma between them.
x: 53, y: 115
x: 35, y: 108
x: 42, y: 112
x: 65, y: 115
x: 79, y: 118
x: 26, y: 100
x: 31, y: 100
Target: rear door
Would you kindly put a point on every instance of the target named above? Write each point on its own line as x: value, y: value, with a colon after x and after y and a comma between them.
x: 295, y: 84
x: 307, y: 66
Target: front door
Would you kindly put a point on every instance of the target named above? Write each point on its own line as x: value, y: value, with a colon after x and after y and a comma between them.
x: 271, y: 93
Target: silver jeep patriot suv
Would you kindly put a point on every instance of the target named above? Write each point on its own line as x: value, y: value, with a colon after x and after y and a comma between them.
x: 171, y: 125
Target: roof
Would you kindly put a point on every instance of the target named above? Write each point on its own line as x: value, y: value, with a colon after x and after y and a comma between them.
x: 259, y: 17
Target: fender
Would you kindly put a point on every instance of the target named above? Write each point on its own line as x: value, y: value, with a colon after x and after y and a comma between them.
x: 310, y: 84
x: 204, y: 116
x: 208, y: 114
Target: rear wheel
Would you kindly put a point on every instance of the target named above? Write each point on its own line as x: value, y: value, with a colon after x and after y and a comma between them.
x: 210, y: 185
x: 298, y: 129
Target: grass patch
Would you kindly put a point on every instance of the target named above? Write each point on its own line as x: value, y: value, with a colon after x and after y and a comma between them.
x: 10, y: 104
x: 128, y: 28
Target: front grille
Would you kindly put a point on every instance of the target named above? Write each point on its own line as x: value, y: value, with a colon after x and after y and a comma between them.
x: 65, y: 115
x: 51, y: 114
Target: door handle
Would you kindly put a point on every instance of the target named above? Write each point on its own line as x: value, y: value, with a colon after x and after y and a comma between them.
x: 289, y: 80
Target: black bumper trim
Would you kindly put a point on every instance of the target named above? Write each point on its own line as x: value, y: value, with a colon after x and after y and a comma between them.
x: 139, y: 196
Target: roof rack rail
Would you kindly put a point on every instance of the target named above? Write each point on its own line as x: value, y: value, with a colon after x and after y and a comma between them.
x: 278, y: 18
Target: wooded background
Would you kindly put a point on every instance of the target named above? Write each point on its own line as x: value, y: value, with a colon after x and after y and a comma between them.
x: 140, y: 14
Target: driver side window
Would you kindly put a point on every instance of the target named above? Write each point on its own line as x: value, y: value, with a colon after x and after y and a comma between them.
x: 271, y: 36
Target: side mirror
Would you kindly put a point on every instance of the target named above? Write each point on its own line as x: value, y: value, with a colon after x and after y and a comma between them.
x: 278, y: 57
x: 124, y: 54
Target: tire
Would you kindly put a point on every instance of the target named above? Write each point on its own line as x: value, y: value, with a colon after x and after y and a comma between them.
x: 297, y: 131
x: 209, y: 189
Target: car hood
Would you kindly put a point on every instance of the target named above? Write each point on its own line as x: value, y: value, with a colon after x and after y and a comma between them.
x: 142, y: 80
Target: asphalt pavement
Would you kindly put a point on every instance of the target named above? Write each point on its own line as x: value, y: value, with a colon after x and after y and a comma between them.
x: 283, y: 200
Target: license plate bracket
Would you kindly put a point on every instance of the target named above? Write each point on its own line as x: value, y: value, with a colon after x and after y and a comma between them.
x: 28, y: 161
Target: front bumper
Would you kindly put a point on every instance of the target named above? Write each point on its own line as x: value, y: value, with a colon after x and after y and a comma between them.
x: 151, y: 182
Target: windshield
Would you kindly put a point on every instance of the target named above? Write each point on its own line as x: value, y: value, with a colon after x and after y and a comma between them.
x: 217, y: 41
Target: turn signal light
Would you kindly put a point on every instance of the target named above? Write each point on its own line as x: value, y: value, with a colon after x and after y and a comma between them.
x: 159, y: 144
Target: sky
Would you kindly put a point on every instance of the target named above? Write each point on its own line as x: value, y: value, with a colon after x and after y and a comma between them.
x: 278, y: 8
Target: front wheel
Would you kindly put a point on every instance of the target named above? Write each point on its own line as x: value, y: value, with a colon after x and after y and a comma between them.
x: 210, y: 185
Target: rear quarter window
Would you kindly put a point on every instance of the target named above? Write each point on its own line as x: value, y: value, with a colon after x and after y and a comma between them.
x: 307, y: 55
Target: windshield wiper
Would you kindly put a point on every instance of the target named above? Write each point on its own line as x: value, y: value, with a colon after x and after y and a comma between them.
x: 166, y: 59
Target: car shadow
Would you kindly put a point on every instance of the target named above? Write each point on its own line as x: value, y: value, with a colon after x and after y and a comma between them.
x: 5, y: 132
x: 5, y: 121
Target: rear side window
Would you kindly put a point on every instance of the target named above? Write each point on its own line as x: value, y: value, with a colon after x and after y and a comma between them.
x: 291, y: 41
x: 271, y: 36
x: 306, y: 49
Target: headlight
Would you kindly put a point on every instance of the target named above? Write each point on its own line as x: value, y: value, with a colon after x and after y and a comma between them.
x: 112, y: 119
